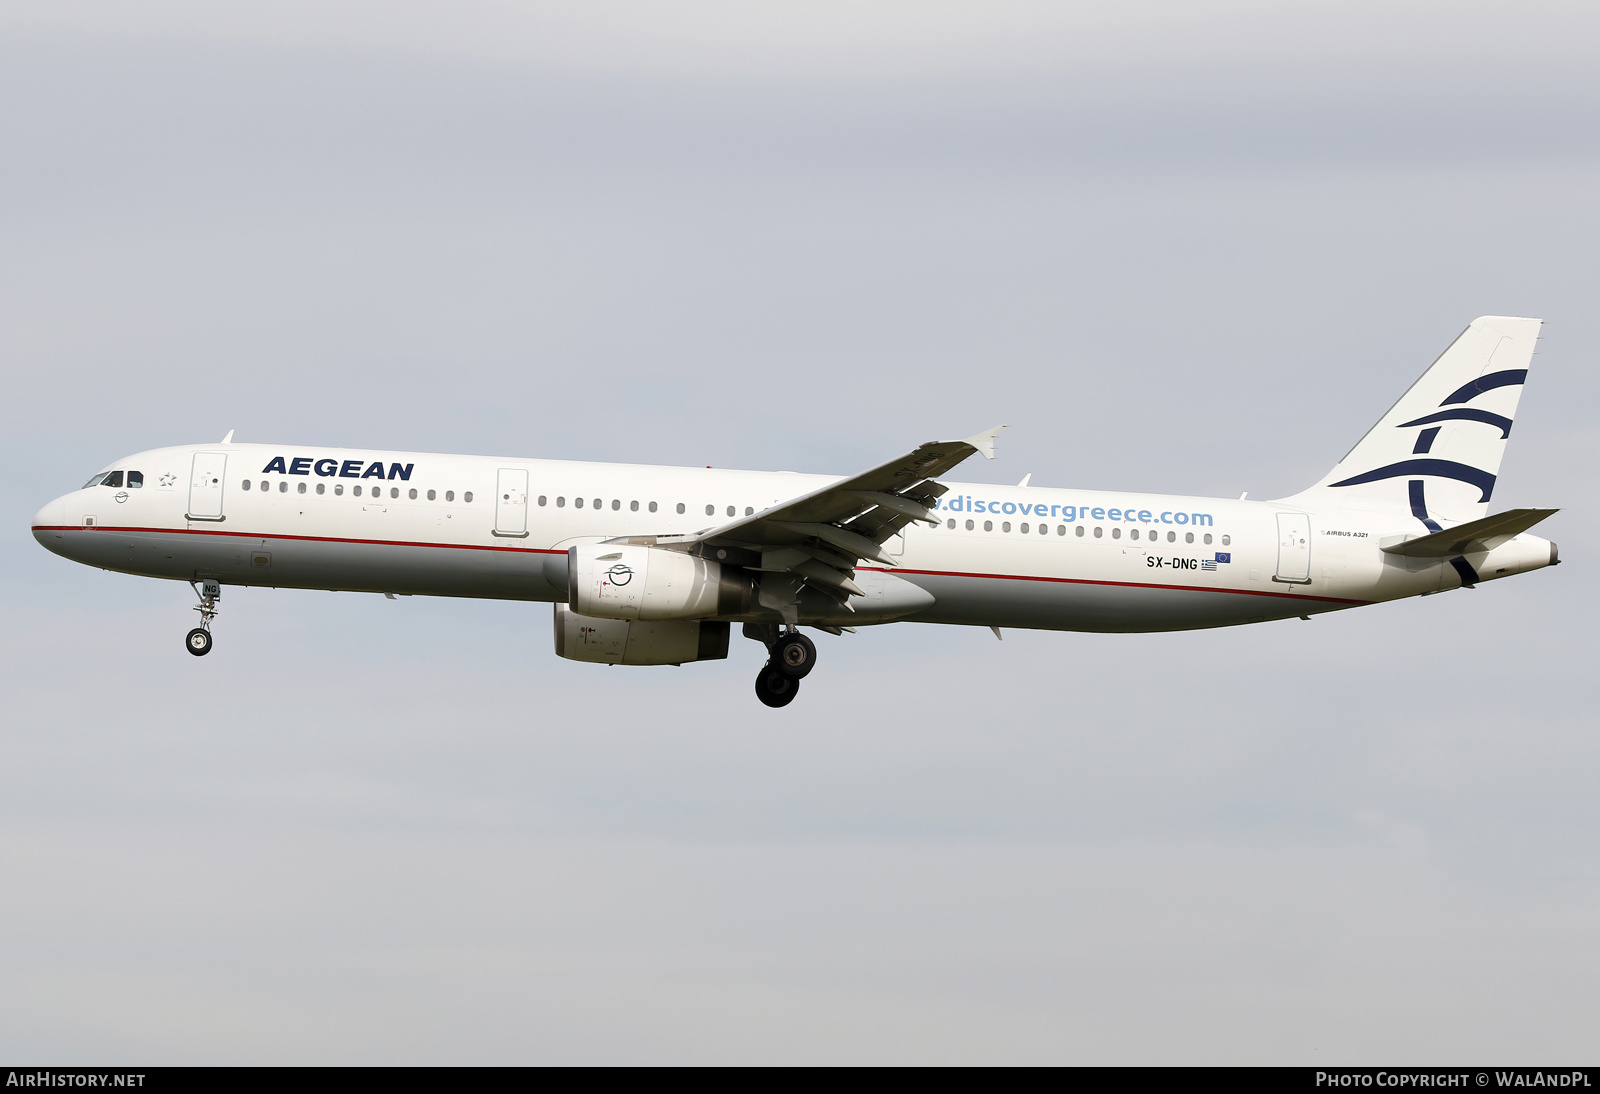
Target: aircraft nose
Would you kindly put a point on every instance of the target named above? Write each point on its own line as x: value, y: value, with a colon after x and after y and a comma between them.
x: 48, y: 521
x: 52, y: 515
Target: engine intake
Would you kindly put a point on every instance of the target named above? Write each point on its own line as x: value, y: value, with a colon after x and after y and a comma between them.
x: 622, y: 581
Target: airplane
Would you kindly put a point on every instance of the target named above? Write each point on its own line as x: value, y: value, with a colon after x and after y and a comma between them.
x: 652, y: 565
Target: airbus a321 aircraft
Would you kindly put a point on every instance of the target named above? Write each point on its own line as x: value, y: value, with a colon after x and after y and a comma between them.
x: 652, y: 565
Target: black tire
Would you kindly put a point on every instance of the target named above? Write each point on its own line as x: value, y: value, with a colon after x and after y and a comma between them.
x: 198, y: 642
x: 794, y: 655
x: 774, y: 688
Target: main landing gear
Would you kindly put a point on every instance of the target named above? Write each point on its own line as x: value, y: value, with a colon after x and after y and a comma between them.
x: 790, y: 657
x: 198, y: 641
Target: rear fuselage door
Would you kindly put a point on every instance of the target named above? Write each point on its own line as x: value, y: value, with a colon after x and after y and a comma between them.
x: 206, y: 477
x: 511, y: 502
x: 1294, y: 549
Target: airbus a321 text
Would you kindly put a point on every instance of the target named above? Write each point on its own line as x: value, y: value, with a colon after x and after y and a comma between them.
x: 652, y: 565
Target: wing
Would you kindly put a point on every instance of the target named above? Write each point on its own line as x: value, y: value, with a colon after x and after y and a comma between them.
x: 820, y: 537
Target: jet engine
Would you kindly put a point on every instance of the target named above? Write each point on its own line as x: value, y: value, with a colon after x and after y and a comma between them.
x: 625, y: 581
x: 635, y: 642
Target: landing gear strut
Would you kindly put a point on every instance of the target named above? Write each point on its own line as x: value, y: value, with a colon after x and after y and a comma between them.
x: 198, y: 641
x: 790, y: 656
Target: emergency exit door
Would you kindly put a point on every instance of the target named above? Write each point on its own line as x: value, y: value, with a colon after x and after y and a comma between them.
x: 511, y: 502
x: 206, y: 477
x: 1294, y: 549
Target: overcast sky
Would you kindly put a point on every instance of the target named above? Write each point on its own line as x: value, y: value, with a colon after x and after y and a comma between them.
x: 1176, y: 247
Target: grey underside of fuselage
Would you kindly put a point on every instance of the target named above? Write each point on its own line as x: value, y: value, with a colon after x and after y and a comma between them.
x: 520, y: 575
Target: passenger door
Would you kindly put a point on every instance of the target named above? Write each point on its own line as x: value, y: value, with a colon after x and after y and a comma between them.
x: 1294, y: 549
x: 511, y: 503
x: 206, y: 478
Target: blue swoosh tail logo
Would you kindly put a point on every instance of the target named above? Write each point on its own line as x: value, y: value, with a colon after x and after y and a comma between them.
x: 1444, y: 469
x: 1465, y: 414
x: 1511, y: 377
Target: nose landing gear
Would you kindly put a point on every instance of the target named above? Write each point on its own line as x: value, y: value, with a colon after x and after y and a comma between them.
x: 198, y: 641
x: 790, y: 657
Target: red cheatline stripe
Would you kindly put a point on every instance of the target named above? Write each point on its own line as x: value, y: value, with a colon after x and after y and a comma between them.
x: 1124, y: 584
x: 308, y: 539
x: 547, y: 551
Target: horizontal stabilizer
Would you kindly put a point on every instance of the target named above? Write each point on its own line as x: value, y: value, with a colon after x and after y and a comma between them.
x: 1475, y: 535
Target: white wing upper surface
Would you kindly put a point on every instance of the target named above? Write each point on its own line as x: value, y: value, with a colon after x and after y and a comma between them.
x: 821, y: 536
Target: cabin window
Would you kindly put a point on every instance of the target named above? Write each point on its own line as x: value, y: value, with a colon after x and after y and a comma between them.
x: 748, y: 511
x: 450, y: 495
x: 300, y: 487
x: 951, y: 523
x: 412, y: 494
x: 245, y: 484
x: 542, y: 499
x: 322, y: 488
x: 597, y: 503
x: 1023, y: 529
x: 577, y: 503
x: 1207, y: 539
x: 1188, y: 537
x: 711, y: 510
x: 432, y: 494
x: 135, y: 480
x: 338, y: 488
x: 633, y: 507
x: 1080, y: 531
x: 730, y: 510
x: 1099, y: 532
x: 1116, y: 533
x: 616, y: 503
x: 1226, y: 540
x: 1005, y: 526
x: 283, y: 486
x: 467, y: 496
x: 969, y: 526
x: 356, y: 490
x: 394, y: 492
x: 652, y: 507
x: 1134, y: 534
x: 988, y: 526
x: 265, y: 486
x: 680, y: 506
x: 1172, y: 537
x: 561, y: 503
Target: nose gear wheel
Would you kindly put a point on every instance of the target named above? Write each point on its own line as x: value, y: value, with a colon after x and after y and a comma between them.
x: 198, y: 641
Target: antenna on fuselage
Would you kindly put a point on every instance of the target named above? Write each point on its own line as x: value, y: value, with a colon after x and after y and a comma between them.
x: 228, y: 439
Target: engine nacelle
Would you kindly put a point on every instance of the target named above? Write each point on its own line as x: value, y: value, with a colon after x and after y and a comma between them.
x: 623, y: 581
x: 633, y: 642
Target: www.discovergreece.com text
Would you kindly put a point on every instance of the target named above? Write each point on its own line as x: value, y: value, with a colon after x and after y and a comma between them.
x: 1070, y: 514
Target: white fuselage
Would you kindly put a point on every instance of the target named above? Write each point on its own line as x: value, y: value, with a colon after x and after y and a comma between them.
x: 453, y: 525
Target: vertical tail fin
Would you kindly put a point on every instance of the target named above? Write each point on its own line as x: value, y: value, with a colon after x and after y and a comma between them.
x: 1437, y: 452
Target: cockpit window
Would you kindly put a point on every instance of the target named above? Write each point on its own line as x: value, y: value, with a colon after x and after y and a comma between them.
x: 94, y: 480
x: 113, y: 479
x: 135, y: 480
